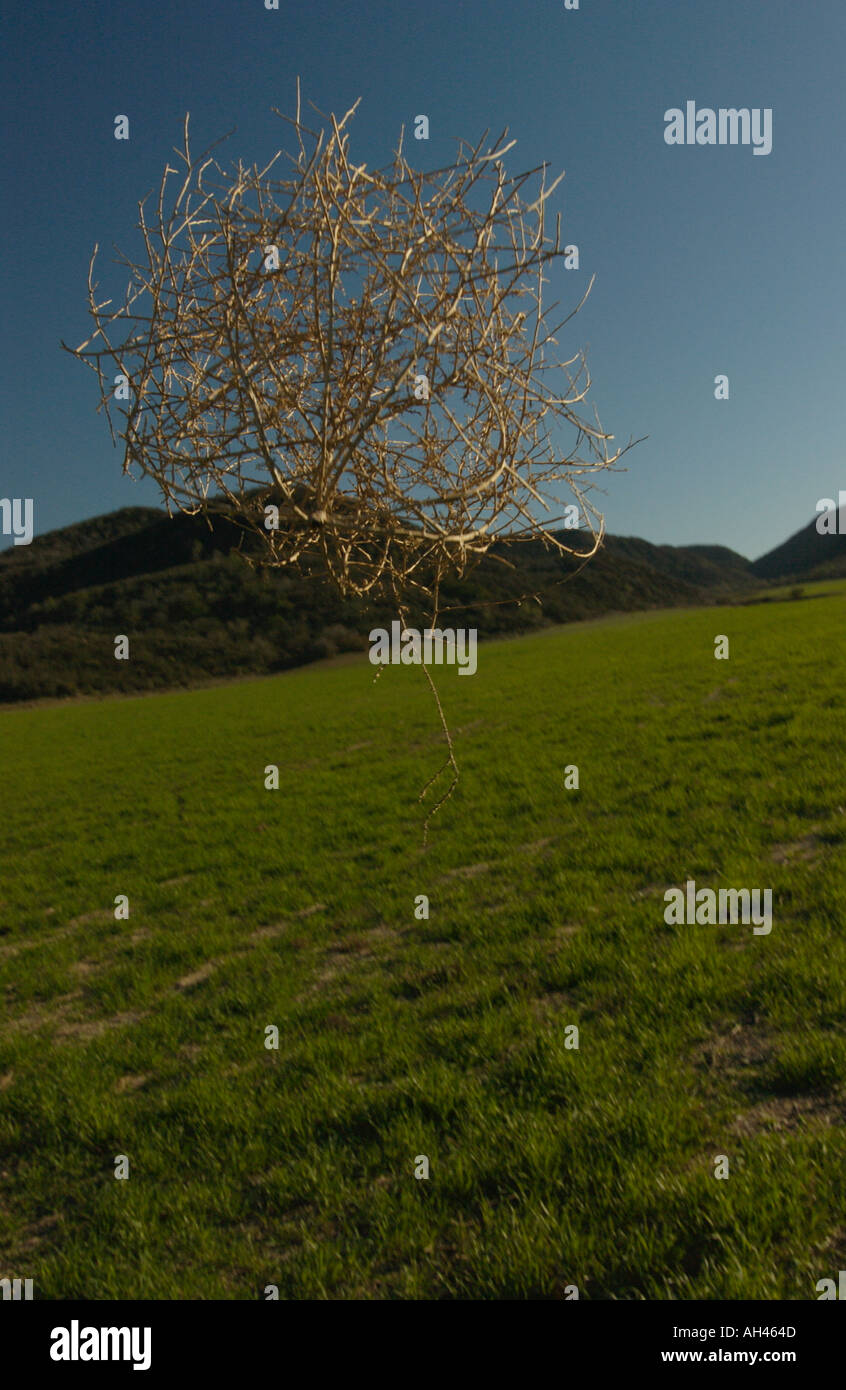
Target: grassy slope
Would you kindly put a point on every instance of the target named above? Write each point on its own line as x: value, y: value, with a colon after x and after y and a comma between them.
x: 445, y: 1038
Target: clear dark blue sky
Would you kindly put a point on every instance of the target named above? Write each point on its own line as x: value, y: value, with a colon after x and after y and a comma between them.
x: 708, y: 259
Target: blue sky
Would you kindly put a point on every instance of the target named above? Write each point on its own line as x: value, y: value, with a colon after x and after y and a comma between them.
x: 707, y: 259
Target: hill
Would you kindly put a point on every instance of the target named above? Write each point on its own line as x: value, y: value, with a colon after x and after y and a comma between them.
x: 806, y: 555
x: 194, y: 610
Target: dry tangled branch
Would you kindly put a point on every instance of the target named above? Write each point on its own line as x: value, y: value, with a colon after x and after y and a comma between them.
x: 362, y: 351
x: 355, y: 361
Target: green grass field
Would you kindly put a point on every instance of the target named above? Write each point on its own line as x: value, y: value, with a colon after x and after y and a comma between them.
x: 398, y: 1037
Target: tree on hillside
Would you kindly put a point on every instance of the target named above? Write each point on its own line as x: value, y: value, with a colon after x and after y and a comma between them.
x: 353, y: 361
